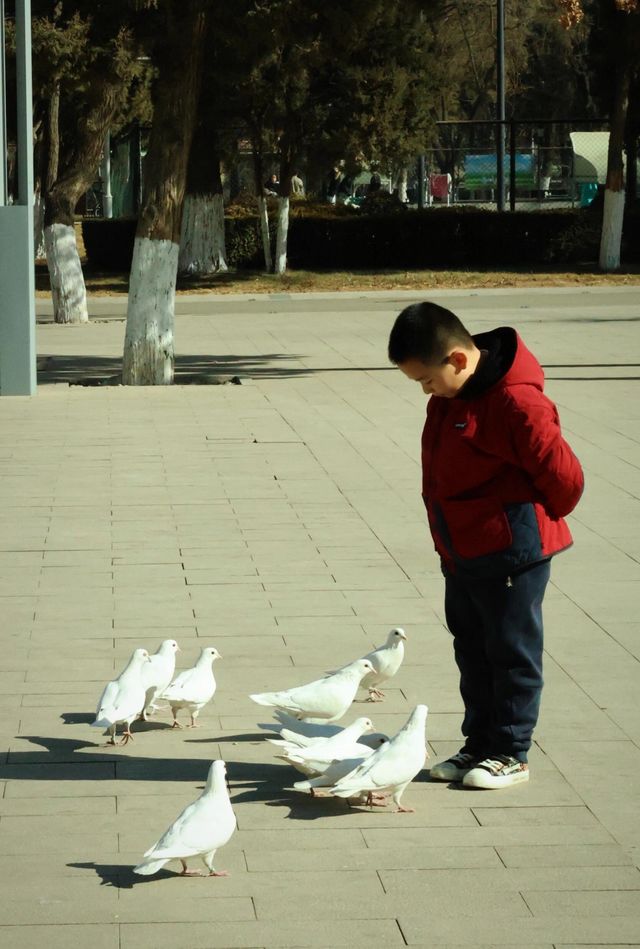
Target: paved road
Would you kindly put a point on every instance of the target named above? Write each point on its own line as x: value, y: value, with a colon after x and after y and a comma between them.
x: 280, y: 520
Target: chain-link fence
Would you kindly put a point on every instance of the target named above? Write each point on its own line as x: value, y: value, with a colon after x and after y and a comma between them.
x: 559, y: 162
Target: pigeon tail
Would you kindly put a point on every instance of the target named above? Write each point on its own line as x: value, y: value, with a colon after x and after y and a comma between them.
x: 148, y: 867
x: 102, y: 723
x: 266, y: 698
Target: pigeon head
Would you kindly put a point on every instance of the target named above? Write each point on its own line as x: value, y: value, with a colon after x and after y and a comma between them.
x: 217, y: 778
x: 363, y: 667
x: 366, y: 724
x: 169, y: 646
x: 419, y: 715
x: 211, y: 653
x: 397, y: 635
x: 141, y: 655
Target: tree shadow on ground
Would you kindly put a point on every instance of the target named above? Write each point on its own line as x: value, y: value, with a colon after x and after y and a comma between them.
x: 189, y: 369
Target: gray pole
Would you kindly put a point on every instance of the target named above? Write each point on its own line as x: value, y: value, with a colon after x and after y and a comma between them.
x: 4, y: 191
x: 17, y: 282
x: 500, y: 105
x: 105, y: 175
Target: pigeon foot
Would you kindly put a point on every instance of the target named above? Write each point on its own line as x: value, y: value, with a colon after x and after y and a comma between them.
x: 126, y: 738
x: 176, y: 724
x: 375, y: 695
x: 219, y: 873
x: 404, y: 810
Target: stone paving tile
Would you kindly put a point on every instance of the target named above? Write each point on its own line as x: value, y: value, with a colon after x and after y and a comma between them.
x: 606, y: 930
x: 60, y: 937
x: 563, y: 855
x: 374, y: 933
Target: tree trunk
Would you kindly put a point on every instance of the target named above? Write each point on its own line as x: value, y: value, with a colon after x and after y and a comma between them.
x: 282, y: 231
x: 282, y: 235
x: 149, y: 339
x: 202, y: 243
x: 263, y: 213
x: 47, y: 161
x: 613, y: 215
x: 68, y: 290
x: 65, y: 272
x: 403, y: 177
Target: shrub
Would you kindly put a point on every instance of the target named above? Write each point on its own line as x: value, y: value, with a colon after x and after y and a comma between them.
x: 338, y: 237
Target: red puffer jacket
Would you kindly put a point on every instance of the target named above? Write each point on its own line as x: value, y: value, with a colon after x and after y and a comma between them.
x: 498, y: 476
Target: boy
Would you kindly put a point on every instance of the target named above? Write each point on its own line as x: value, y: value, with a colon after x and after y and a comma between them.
x: 497, y: 480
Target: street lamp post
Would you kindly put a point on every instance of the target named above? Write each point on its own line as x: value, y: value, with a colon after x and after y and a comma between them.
x: 17, y: 282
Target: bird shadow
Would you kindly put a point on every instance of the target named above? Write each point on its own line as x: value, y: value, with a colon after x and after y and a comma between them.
x: 225, y: 739
x: 121, y: 876
x: 304, y: 807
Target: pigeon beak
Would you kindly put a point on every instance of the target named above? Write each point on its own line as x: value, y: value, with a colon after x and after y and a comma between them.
x: 219, y: 655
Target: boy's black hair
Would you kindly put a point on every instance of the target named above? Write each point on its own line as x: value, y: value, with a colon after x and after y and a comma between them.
x: 426, y: 331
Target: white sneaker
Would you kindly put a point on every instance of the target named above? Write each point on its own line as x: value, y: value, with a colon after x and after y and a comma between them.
x: 497, y: 771
x: 454, y: 768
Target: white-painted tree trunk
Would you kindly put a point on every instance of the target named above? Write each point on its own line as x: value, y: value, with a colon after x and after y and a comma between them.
x: 611, y: 237
x: 263, y: 213
x: 403, y: 177
x: 202, y: 243
x: 148, y: 346
x: 38, y: 226
x: 65, y: 274
x: 281, y: 235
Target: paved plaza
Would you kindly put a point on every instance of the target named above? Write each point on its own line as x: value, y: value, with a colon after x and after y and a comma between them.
x: 281, y: 521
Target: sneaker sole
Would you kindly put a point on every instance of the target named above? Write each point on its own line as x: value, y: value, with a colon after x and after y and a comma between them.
x: 482, y: 780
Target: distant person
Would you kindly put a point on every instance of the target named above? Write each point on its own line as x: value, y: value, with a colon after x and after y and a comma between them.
x: 272, y: 186
x: 297, y: 185
x: 333, y: 184
x: 375, y: 183
x: 498, y: 479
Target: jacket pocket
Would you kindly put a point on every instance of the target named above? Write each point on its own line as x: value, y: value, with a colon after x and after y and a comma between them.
x: 477, y: 527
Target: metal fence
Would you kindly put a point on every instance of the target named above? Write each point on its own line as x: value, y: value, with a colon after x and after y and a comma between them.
x: 545, y: 162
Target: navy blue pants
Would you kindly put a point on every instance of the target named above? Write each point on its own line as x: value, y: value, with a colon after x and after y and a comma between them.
x: 498, y: 641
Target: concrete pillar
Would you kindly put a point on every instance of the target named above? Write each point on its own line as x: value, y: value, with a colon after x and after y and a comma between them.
x: 17, y: 279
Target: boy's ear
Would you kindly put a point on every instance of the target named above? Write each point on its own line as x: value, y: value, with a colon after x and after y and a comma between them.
x: 458, y: 359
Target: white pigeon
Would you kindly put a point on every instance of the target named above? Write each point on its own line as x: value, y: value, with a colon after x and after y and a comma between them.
x: 157, y: 674
x: 287, y: 721
x: 327, y: 699
x: 201, y: 829
x: 316, y: 757
x: 386, y: 660
x: 392, y: 767
x: 194, y: 687
x: 292, y: 740
x: 123, y: 698
x: 339, y: 768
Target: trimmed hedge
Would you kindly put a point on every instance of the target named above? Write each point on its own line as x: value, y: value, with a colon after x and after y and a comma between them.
x: 455, y: 237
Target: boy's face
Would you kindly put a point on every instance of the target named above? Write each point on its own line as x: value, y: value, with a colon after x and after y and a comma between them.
x: 444, y: 379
